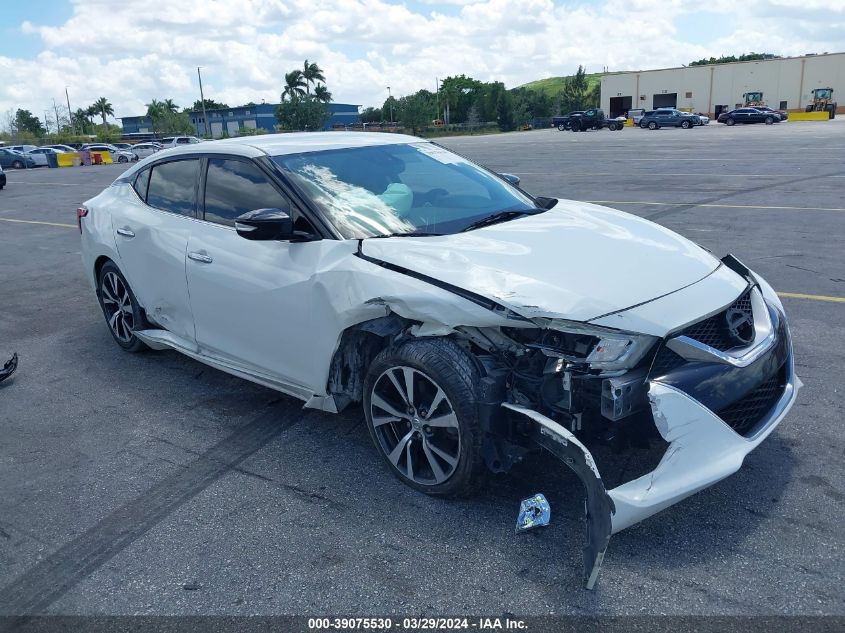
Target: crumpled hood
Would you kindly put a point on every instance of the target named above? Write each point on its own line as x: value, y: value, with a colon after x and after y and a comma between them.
x: 576, y: 261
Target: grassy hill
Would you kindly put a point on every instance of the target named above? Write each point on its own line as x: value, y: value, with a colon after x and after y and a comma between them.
x: 553, y: 85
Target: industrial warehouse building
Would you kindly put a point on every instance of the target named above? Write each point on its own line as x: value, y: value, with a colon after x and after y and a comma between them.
x: 786, y: 82
x: 229, y: 121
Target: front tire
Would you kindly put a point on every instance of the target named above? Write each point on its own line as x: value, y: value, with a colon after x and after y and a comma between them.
x: 652, y: 125
x: 120, y: 308
x: 686, y: 125
x: 421, y: 410
x: 17, y: 164
x: 730, y: 122
x: 561, y: 127
x: 770, y: 120
x: 121, y: 159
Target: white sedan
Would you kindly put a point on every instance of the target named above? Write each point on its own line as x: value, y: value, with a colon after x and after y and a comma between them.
x: 472, y: 322
x: 142, y: 150
x: 39, y: 155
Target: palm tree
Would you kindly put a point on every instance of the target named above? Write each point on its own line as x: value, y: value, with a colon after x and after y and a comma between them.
x: 103, y: 108
x: 155, y: 110
x: 91, y: 111
x: 311, y: 73
x: 294, y: 84
x: 322, y: 94
x: 168, y: 104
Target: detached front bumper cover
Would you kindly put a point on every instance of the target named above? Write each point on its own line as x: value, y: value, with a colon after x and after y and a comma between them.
x: 702, y: 450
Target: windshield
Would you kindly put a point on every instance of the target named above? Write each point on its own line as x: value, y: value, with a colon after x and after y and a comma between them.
x: 408, y: 188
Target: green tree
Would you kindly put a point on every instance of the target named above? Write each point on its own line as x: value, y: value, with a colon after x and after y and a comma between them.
x: 25, y: 121
x: 504, y: 112
x: 725, y: 59
x: 311, y: 73
x: 80, y: 121
x: 322, y: 94
x: 103, y: 108
x: 166, y: 119
x: 210, y: 104
x: 575, y: 92
x: 169, y: 105
x: 371, y: 115
x: 302, y: 113
x: 415, y: 111
x: 294, y: 86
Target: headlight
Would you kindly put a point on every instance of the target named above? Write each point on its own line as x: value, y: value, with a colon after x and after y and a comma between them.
x: 600, y: 348
x: 768, y: 292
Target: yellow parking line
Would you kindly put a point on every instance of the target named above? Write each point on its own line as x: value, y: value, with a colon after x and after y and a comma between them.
x: 67, y: 226
x: 801, y: 295
x: 713, y: 206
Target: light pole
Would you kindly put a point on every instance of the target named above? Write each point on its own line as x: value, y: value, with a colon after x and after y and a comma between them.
x: 390, y: 98
x: 202, y: 100
x: 69, y: 114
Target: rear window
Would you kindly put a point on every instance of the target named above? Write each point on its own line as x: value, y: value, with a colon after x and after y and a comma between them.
x: 172, y: 186
x: 141, y: 182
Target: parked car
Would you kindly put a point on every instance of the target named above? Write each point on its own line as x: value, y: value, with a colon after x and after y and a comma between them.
x: 60, y: 147
x: 39, y: 155
x: 142, y: 150
x: 15, y: 159
x: 748, y: 115
x: 117, y: 155
x: 384, y: 270
x: 126, y: 147
x: 174, y: 141
x: 2, y: 177
x: 636, y: 115
x: 21, y: 148
x: 668, y: 117
x: 783, y: 114
x: 703, y: 119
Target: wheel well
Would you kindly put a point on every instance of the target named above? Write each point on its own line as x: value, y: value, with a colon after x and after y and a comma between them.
x: 98, y: 265
x: 359, y: 345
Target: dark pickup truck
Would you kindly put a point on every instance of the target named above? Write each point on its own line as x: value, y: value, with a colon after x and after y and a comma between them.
x: 562, y: 122
x: 594, y: 119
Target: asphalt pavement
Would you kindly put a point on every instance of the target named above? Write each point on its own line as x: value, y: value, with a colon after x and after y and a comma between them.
x: 152, y: 484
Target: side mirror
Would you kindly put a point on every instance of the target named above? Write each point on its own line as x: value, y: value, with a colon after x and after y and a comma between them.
x: 514, y: 180
x: 265, y: 224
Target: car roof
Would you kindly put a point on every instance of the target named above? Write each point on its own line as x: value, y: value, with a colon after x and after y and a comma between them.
x: 291, y: 143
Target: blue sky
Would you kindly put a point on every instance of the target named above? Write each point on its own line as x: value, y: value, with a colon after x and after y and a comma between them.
x: 132, y: 51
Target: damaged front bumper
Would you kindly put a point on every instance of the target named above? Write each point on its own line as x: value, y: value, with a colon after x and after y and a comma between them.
x: 702, y: 450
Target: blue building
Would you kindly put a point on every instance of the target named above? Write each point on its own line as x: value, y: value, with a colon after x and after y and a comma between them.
x: 231, y: 120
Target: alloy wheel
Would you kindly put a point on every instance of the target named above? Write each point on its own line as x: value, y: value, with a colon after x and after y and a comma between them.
x: 117, y: 304
x: 415, y: 425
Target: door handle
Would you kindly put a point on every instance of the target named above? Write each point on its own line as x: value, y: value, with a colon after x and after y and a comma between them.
x: 125, y: 232
x: 200, y: 257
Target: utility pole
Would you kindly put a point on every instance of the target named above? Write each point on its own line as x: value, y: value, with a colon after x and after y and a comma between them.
x: 69, y: 113
x: 437, y: 96
x: 202, y: 100
x: 390, y: 98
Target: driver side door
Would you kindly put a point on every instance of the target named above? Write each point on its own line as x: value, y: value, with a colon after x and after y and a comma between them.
x: 251, y: 300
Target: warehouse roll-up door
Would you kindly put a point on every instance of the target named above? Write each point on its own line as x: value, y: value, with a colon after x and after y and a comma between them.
x: 666, y: 100
x: 619, y: 106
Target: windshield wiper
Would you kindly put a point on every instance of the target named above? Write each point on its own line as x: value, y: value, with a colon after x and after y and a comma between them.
x: 409, y: 234
x: 501, y: 216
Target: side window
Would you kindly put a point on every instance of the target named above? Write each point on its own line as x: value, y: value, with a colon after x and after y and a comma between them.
x: 172, y: 186
x: 233, y: 187
x: 141, y: 182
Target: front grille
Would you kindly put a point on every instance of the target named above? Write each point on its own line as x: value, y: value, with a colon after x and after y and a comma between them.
x: 713, y: 331
x: 665, y: 361
x: 743, y: 416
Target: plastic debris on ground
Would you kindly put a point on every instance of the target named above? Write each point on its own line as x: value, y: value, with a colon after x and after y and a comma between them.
x: 534, y: 512
x: 9, y: 368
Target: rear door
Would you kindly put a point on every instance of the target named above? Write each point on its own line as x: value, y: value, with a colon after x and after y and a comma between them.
x: 151, y: 232
x: 252, y: 300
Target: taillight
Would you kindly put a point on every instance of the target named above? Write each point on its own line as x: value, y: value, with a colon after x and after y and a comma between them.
x: 81, y: 212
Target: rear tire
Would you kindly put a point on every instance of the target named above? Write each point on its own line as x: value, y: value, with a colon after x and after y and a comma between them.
x: 120, y: 308
x: 561, y: 127
x: 406, y: 390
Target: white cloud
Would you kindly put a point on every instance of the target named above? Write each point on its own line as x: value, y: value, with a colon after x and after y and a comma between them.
x: 132, y: 52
